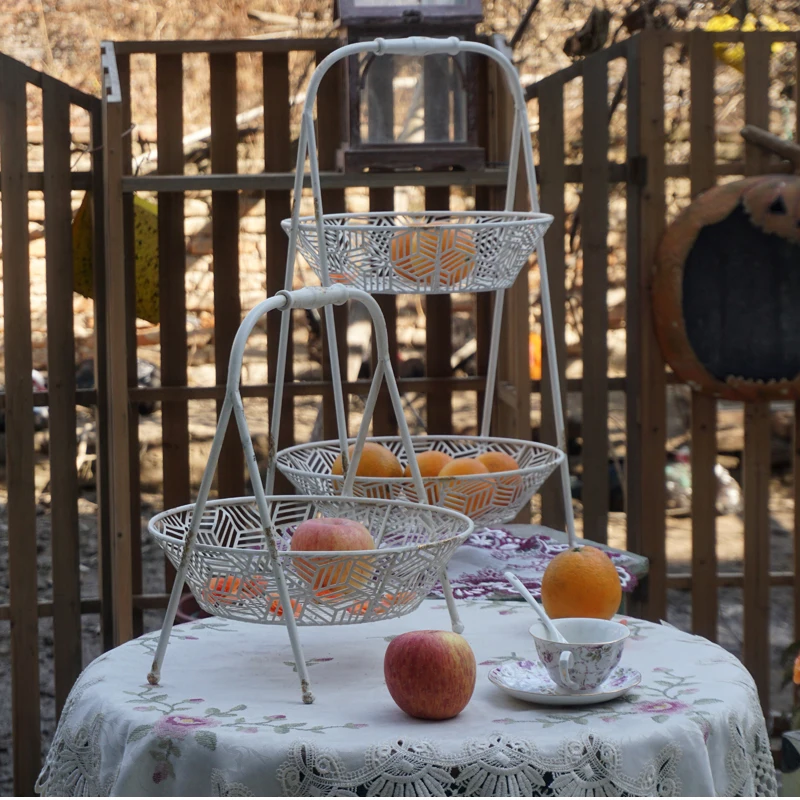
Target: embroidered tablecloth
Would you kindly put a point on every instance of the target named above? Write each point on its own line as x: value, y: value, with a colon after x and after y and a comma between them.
x: 227, y: 720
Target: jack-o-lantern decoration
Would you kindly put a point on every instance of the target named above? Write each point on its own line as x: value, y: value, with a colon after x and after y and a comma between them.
x: 726, y: 290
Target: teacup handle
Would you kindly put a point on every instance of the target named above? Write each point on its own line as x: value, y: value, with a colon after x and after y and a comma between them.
x: 564, y: 666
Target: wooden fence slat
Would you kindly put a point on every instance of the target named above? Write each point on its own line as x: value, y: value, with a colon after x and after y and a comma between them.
x: 172, y: 271
x: 704, y: 407
x: 594, y: 235
x: 756, y: 458
x: 796, y: 455
x: 438, y: 337
x: 100, y: 399
x: 225, y: 240
x: 120, y: 459
x: 650, y: 538
x: 61, y: 385
x: 384, y: 423
x: 329, y: 124
x: 551, y: 157
x: 124, y: 72
x: 278, y: 157
x: 23, y: 581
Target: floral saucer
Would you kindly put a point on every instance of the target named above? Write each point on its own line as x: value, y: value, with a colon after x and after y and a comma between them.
x: 529, y: 681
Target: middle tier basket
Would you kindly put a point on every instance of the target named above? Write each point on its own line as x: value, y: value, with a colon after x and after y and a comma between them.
x: 430, y: 252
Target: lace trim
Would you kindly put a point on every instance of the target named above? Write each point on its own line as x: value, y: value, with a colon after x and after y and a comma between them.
x: 495, y: 767
x: 220, y: 787
x: 749, y: 758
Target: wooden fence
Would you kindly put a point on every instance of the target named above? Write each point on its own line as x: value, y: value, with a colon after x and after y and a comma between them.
x: 643, y: 173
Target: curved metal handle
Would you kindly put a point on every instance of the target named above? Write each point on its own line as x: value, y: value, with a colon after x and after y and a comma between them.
x: 418, y: 46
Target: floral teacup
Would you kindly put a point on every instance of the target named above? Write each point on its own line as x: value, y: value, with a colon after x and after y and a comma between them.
x: 593, y: 649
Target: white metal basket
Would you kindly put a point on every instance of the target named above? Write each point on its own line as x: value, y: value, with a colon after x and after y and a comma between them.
x: 230, y: 570
x: 236, y: 556
x: 486, y: 499
x: 422, y: 252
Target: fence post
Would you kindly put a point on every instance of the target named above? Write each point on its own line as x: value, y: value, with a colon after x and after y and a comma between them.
x: 23, y: 581
x: 116, y: 364
x: 646, y: 372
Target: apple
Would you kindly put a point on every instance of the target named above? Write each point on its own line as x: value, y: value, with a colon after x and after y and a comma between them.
x: 430, y: 674
x: 331, y: 577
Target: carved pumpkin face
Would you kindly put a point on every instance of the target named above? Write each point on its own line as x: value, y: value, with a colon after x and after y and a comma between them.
x: 726, y: 290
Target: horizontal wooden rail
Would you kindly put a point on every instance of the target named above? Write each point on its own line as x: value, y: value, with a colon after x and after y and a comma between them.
x: 725, y: 37
x: 93, y: 605
x: 728, y: 580
x: 173, y: 47
x: 78, y: 181
x: 76, y: 96
x: 154, y: 394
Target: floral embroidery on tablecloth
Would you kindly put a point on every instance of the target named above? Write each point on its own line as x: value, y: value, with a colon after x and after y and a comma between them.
x: 169, y: 730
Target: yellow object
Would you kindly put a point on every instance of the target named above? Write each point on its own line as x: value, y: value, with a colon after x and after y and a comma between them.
x: 733, y: 54
x: 145, y: 224
x: 581, y: 583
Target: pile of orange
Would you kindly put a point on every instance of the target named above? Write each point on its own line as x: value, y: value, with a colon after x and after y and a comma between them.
x: 581, y: 582
x: 472, y: 497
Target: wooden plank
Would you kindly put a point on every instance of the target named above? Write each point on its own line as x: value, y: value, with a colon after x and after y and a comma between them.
x: 438, y: 338
x: 225, y: 239
x: 704, y: 407
x: 171, y: 278
x: 267, y: 46
x: 65, y: 543
x: 23, y: 580
x: 99, y: 397
x: 551, y: 155
x: 650, y: 539
x: 594, y: 234
x: 134, y: 472
x: 383, y: 422
x: 796, y: 455
x: 329, y: 126
x: 278, y: 157
x: 756, y: 456
x: 116, y: 364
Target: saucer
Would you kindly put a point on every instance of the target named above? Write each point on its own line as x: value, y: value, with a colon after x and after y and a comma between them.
x: 530, y: 682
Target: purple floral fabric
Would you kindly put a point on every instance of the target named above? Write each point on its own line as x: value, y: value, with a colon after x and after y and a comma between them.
x: 476, y: 570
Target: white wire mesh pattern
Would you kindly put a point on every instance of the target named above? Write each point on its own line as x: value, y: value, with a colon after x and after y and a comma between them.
x: 486, y: 499
x: 423, y: 252
x: 230, y: 571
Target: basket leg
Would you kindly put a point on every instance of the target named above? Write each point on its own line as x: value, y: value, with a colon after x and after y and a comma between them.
x: 455, y: 620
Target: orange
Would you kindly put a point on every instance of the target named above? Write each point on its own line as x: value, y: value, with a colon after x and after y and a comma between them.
x: 225, y: 589
x: 277, y: 607
x: 414, y: 254
x: 376, y: 461
x: 581, y: 582
x: 471, y: 497
x: 497, y: 462
x: 430, y: 465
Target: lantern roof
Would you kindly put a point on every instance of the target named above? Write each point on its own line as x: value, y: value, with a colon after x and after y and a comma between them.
x: 363, y: 12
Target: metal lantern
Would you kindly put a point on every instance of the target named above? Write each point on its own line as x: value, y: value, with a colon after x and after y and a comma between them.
x: 406, y: 112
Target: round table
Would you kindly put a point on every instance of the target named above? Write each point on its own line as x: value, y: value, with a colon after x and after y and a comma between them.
x: 227, y: 720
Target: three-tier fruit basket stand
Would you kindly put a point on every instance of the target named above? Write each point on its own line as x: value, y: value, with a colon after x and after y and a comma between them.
x: 235, y: 553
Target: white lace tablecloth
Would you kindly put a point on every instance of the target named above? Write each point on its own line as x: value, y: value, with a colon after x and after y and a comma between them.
x: 228, y: 720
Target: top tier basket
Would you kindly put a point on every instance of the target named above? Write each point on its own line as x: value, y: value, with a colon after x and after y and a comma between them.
x: 428, y: 252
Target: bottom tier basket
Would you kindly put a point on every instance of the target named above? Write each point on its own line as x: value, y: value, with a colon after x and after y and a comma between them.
x: 230, y: 572
x: 486, y: 499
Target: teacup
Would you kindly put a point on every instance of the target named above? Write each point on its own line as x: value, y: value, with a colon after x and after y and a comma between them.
x: 593, y: 649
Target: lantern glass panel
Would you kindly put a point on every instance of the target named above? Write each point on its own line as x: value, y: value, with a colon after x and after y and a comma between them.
x: 407, y: 99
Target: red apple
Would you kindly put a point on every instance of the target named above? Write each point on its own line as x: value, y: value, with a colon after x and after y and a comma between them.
x: 430, y: 674
x: 331, y: 577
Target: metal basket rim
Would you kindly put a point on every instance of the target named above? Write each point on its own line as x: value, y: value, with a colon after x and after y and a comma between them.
x: 554, y: 451
x: 515, y: 219
x: 379, y: 501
